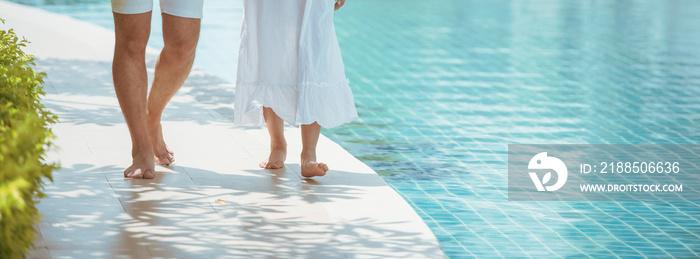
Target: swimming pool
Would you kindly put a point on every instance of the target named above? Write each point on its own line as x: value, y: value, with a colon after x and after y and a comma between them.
x: 443, y: 88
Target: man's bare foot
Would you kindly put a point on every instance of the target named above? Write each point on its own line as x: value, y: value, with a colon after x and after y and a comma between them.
x: 141, y: 167
x: 313, y: 168
x: 276, y: 159
x: 162, y: 154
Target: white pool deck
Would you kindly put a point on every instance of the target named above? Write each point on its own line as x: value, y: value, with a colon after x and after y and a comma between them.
x: 214, y: 202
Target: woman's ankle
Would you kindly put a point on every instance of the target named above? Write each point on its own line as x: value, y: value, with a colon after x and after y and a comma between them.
x: 278, y: 145
x: 308, y: 155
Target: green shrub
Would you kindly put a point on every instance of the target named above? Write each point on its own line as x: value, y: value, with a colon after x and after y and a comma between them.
x: 24, y: 137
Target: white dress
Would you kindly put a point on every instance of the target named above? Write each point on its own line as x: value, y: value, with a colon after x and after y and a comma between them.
x: 290, y: 61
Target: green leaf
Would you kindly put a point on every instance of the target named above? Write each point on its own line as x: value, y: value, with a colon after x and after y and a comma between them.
x: 25, y: 135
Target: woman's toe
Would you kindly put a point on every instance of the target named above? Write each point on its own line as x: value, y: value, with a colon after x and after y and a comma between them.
x: 149, y: 174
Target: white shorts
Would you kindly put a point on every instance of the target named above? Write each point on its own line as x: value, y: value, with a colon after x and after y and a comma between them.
x: 181, y: 8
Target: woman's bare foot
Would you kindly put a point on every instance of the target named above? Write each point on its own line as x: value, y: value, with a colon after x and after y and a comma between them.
x: 141, y: 167
x: 309, y: 166
x: 309, y: 140
x: 313, y: 168
x: 162, y: 154
x: 278, y: 154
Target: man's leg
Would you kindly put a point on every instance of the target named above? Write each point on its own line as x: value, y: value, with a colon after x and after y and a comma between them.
x: 172, y: 68
x: 131, y: 85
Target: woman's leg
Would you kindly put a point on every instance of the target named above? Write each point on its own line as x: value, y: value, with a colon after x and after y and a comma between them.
x: 180, y: 36
x: 131, y: 85
x: 278, y: 145
x: 309, y: 139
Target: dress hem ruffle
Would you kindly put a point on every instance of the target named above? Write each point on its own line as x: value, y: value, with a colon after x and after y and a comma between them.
x: 328, y: 104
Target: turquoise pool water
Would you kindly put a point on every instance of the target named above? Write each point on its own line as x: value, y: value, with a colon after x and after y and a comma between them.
x: 443, y: 86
